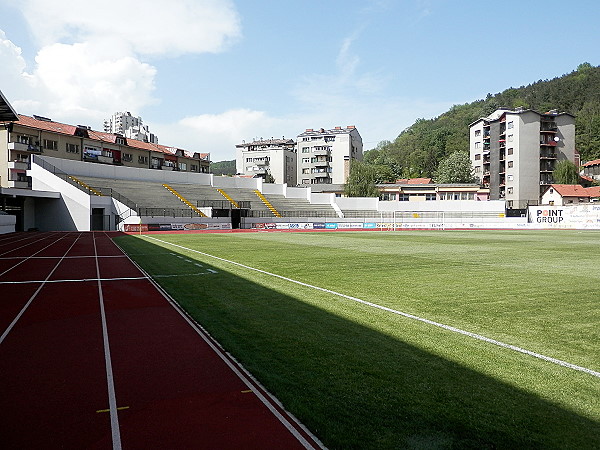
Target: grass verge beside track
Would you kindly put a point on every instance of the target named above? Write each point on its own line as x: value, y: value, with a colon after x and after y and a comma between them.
x: 362, y: 377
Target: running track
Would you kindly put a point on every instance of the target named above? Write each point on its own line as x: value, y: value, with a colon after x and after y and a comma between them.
x: 93, y: 355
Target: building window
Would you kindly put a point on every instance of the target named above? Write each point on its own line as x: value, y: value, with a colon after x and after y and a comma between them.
x: 509, y: 125
x: 510, y: 151
x: 509, y: 190
x: 477, y: 157
x: 429, y: 197
x: 22, y: 139
x: 510, y: 138
x: 477, y: 133
x: 403, y: 197
x: 388, y: 196
x: 50, y: 145
x: 194, y: 168
x: 305, y: 181
x: 510, y: 164
x: 142, y: 159
x: 509, y: 177
x: 305, y: 170
x: 72, y: 148
x: 305, y: 160
x: 477, y: 169
x: 120, y: 140
x: 305, y: 149
x: 127, y: 157
x: 477, y: 144
x: 182, y: 166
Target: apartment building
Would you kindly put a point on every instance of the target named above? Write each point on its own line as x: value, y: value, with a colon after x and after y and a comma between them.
x: 40, y: 135
x: 324, y: 156
x: 263, y: 157
x: 514, y: 152
x: 124, y: 123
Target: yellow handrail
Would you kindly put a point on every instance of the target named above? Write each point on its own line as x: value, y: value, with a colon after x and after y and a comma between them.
x: 184, y: 200
x: 267, y: 203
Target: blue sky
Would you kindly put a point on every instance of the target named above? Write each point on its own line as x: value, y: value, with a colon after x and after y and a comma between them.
x: 207, y: 74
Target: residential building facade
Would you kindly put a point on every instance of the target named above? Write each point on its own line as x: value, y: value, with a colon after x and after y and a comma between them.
x: 591, y: 169
x: 324, y: 156
x: 570, y: 194
x: 423, y: 189
x: 264, y: 157
x: 40, y: 135
x: 126, y: 124
x: 514, y: 152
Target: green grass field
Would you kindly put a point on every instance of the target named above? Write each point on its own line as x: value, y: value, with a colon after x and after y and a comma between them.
x: 362, y: 377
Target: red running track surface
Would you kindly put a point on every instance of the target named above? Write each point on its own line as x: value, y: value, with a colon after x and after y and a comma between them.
x: 69, y: 343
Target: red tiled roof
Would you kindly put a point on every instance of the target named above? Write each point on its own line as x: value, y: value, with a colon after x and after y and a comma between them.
x: 55, y: 127
x: 61, y: 128
x: 414, y: 181
x: 575, y: 190
x: 592, y: 163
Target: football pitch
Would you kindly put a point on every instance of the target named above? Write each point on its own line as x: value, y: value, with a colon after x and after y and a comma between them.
x: 411, y: 339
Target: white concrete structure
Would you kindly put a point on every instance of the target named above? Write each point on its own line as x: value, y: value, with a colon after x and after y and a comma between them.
x: 260, y: 158
x: 125, y: 124
x: 324, y: 156
x: 515, y: 152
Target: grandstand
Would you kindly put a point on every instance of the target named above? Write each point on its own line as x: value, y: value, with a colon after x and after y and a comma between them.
x: 108, y: 197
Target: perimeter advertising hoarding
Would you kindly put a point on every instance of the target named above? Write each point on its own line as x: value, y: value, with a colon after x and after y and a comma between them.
x: 133, y: 227
x: 570, y: 216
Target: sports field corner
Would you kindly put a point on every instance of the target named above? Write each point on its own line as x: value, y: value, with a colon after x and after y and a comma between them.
x: 401, y: 339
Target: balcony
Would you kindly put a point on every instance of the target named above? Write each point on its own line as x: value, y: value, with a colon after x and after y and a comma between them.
x: 24, y: 147
x: 321, y: 152
x: 19, y: 184
x: 18, y: 165
x: 547, y: 155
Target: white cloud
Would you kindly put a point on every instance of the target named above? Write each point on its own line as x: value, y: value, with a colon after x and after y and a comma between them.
x: 78, y: 80
x: 89, y: 61
x: 151, y: 27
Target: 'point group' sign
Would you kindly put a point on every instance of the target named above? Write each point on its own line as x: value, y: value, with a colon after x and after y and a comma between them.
x: 548, y: 215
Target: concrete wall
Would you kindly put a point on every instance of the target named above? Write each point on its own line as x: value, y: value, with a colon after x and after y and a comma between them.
x: 69, y: 213
x: 128, y: 173
x: 7, y: 223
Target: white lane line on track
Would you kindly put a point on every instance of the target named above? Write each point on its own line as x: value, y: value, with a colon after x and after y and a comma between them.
x: 54, y: 257
x: 263, y: 395
x: 45, y: 236
x: 31, y: 256
x: 16, y: 319
x: 79, y: 280
x: 400, y: 313
x: 112, y: 397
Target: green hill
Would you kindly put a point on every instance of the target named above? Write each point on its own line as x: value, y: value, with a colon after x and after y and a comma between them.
x: 418, y: 150
x: 223, y: 167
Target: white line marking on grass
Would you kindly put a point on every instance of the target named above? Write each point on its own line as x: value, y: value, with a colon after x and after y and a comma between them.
x: 400, y: 313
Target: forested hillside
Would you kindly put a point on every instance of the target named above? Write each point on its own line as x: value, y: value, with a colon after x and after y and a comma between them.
x: 223, y: 167
x: 418, y: 150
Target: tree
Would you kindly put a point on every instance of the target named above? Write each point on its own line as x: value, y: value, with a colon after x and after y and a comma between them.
x: 361, y: 180
x: 456, y: 168
x: 566, y: 173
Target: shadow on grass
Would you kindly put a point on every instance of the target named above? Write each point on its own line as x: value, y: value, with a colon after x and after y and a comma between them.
x: 355, y: 387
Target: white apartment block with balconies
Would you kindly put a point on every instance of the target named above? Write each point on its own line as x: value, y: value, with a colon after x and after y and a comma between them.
x: 324, y: 156
x: 514, y: 152
x: 275, y: 157
x: 131, y: 127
